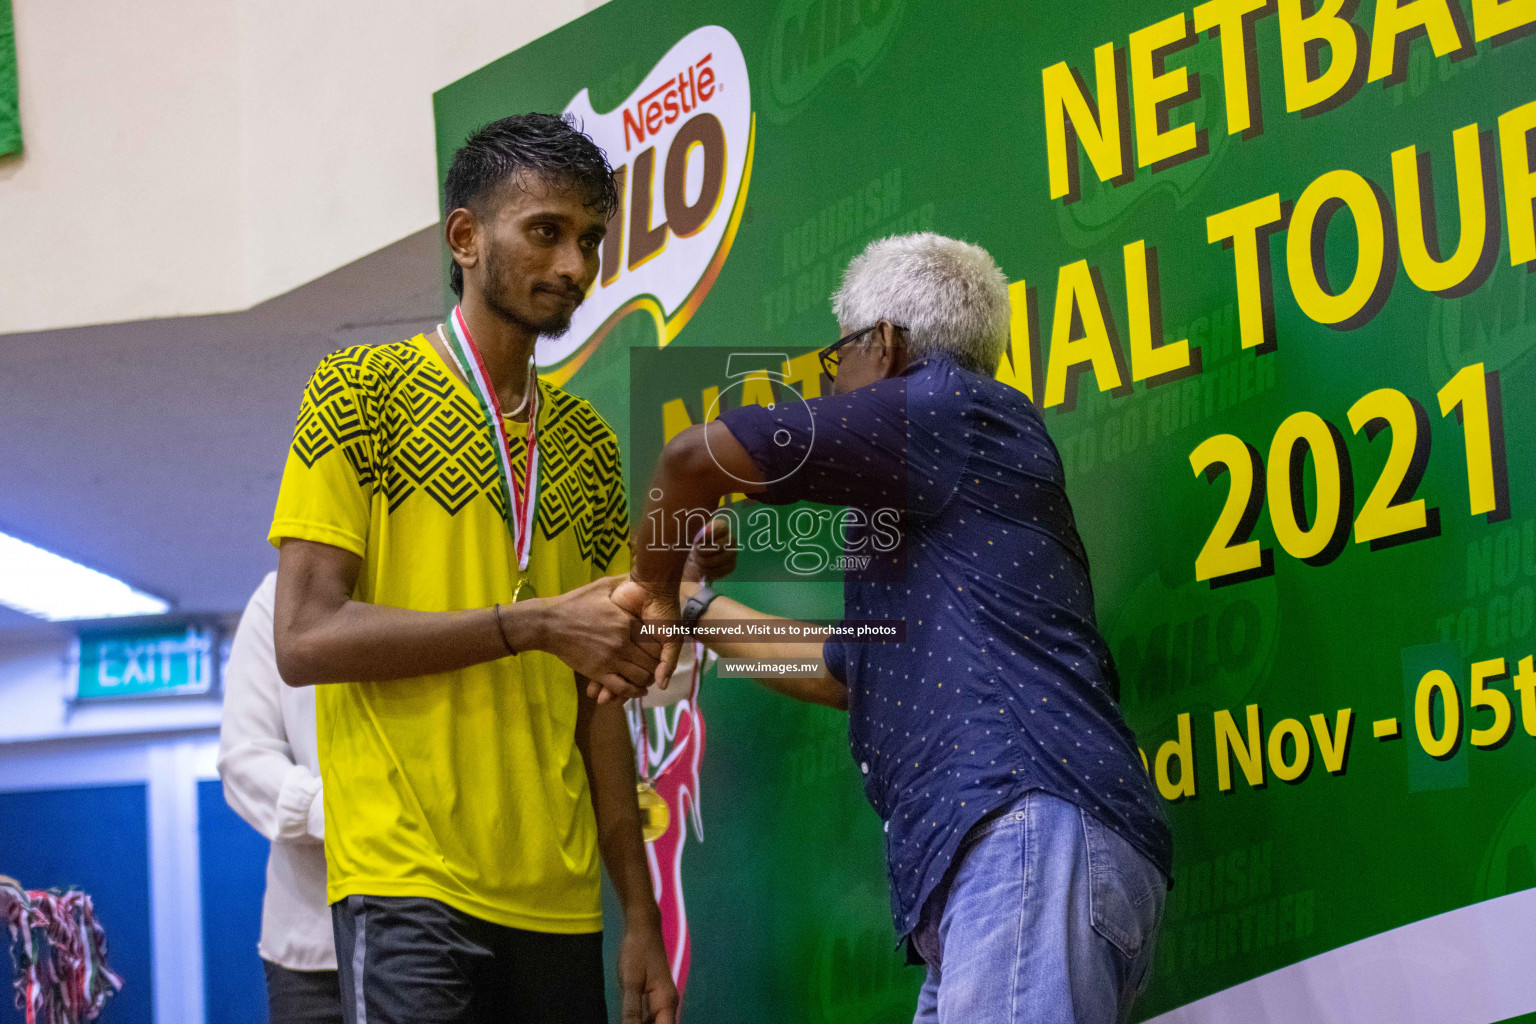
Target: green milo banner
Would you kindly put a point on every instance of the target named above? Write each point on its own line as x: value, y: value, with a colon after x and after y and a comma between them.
x: 10, y: 117
x: 1273, y: 291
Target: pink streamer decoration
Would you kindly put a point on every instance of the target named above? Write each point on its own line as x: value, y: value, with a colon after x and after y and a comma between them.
x: 679, y: 734
x: 60, y: 953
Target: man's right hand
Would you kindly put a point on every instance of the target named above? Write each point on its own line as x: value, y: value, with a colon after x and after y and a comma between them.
x: 591, y: 634
x: 640, y: 601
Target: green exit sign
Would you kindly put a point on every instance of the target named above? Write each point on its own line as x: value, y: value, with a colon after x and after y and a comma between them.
x: 146, y: 663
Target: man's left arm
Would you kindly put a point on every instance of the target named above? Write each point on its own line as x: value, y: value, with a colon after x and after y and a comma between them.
x: 645, y: 977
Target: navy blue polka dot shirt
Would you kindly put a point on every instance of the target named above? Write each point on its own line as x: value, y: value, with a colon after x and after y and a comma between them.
x: 1003, y: 684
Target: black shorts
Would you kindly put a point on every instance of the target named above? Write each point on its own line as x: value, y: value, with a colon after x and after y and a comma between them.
x: 412, y: 960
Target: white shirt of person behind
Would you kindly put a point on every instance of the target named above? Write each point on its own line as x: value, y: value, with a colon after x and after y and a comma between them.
x: 271, y: 772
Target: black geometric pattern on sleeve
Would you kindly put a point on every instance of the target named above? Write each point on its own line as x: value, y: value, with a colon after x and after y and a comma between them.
x: 332, y: 415
x: 580, y: 479
x: 435, y: 442
x: 612, y: 532
x: 403, y: 425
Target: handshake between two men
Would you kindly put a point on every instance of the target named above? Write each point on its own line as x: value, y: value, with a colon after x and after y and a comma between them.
x: 634, y: 667
x: 452, y: 778
x: 605, y: 650
x: 470, y: 783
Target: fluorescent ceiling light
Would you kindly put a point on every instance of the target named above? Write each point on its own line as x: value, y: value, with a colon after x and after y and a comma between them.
x: 52, y: 587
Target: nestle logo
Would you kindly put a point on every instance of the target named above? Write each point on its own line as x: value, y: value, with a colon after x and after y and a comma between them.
x: 681, y: 190
x: 669, y: 101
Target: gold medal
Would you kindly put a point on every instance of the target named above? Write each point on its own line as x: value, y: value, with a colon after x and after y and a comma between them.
x: 655, y: 815
x: 524, y: 589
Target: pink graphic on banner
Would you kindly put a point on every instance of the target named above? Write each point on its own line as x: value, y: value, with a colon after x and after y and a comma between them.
x: 669, y: 747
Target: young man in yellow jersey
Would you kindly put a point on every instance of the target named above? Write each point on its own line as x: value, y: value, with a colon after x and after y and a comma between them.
x: 451, y: 529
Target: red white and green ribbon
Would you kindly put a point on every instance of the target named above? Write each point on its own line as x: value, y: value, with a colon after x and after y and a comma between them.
x: 60, y: 953
x: 521, y: 501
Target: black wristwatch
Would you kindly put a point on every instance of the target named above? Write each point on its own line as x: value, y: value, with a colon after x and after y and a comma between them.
x: 696, y: 604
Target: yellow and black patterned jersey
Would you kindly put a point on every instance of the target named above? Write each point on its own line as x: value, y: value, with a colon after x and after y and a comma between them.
x: 465, y: 786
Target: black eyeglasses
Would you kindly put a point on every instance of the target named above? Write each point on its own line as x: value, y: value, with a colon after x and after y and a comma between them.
x: 830, y: 356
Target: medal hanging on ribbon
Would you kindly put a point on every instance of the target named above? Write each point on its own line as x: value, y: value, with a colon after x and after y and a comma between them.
x: 655, y: 813
x: 521, y: 501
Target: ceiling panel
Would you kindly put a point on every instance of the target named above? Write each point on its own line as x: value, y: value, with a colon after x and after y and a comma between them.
x: 152, y: 450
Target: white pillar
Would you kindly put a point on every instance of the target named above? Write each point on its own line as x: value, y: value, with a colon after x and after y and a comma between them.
x: 175, y: 884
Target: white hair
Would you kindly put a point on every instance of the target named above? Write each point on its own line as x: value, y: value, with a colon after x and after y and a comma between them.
x: 948, y: 294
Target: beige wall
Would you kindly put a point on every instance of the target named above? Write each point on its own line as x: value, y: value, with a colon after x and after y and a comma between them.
x: 121, y: 207
x: 200, y: 156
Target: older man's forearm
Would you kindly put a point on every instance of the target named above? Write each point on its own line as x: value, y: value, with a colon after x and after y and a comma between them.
x: 724, y: 609
x: 823, y: 689
x: 693, y: 475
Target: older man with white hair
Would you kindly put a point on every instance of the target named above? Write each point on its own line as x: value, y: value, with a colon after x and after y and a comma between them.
x: 1028, y: 853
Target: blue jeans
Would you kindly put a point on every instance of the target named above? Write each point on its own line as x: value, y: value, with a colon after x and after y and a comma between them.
x: 1047, y: 916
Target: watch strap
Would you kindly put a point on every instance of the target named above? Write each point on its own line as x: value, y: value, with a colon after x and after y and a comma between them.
x: 695, y: 605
